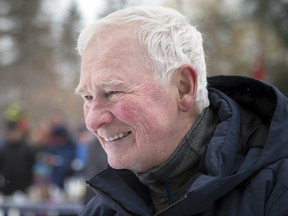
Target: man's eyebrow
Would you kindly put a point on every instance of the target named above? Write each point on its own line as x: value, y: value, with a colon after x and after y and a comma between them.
x: 114, y: 82
x: 108, y: 83
x: 79, y: 90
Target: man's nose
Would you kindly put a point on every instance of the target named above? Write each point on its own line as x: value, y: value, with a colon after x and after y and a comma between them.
x: 97, y: 114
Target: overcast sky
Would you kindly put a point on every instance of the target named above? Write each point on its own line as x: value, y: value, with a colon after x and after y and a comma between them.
x: 91, y: 8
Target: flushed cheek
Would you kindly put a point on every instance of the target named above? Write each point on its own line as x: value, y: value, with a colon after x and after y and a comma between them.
x: 130, y: 112
x: 140, y: 117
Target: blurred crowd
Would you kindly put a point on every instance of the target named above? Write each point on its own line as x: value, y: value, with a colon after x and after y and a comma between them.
x: 49, y: 163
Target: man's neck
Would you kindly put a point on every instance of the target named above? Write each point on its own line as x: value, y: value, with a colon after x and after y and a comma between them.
x: 169, y: 181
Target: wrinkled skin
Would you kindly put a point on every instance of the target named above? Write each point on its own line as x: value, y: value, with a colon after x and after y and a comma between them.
x: 137, y: 121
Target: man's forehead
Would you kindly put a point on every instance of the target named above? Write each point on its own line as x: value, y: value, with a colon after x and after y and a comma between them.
x: 115, y: 38
x: 107, y: 51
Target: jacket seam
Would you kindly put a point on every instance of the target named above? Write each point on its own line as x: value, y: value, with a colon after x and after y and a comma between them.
x: 282, y: 194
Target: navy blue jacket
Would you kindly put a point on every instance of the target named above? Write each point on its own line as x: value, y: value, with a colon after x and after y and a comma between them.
x: 244, y: 170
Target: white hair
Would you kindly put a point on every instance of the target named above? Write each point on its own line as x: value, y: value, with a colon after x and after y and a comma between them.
x: 168, y: 38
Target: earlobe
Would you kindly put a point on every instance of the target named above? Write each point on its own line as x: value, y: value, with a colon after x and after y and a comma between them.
x: 187, y: 86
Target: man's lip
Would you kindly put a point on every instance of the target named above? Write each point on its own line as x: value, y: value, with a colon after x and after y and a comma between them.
x: 116, y: 136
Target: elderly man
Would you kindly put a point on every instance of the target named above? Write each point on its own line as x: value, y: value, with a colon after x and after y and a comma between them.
x: 174, y: 146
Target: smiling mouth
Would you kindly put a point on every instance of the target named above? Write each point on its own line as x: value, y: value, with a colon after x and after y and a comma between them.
x: 116, y: 137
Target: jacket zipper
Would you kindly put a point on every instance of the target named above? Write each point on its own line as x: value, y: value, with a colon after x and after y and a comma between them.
x: 162, y: 212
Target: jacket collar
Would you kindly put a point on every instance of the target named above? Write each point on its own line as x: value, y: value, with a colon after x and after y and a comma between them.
x: 111, y: 184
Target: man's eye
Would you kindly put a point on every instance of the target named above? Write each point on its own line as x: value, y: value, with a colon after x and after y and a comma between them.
x: 111, y: 93
x: 88, y: 98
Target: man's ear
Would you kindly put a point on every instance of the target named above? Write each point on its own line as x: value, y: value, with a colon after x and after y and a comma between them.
x: 187, y: 87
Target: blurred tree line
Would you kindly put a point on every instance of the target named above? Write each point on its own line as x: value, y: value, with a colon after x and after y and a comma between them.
x: 39, y: 64
x: 273, y: 15
x: 240, y: 33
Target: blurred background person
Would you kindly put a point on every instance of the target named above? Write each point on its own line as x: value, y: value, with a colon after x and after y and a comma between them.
x: 59, y: 154
x: 17, y: 157
x: 96, y: 162
x: 83, y: 138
